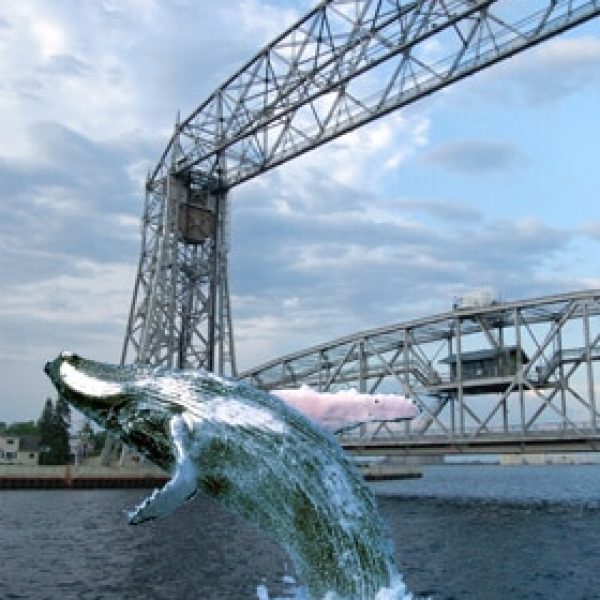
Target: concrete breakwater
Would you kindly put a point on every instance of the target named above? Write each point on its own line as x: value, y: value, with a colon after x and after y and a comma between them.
x: 79, y: 477
x: 146, y: 476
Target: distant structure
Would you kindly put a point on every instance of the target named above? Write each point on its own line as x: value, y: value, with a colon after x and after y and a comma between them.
x: 19, y: 450
x: 477, y: 298
x: 311, y: 84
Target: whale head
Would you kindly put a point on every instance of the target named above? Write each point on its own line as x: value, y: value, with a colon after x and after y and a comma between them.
x: 94, y: 388
x: 111, y: 397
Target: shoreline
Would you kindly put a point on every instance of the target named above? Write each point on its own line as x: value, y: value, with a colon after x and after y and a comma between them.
x: 14, y: 477
x: 72, y: 477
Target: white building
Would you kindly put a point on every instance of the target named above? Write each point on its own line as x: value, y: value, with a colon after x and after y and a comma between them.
x: 19, y: 450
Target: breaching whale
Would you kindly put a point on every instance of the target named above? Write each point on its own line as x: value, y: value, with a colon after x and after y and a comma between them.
x: 251, y: 452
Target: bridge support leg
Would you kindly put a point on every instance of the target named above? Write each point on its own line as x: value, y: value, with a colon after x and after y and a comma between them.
x: 590, y: 370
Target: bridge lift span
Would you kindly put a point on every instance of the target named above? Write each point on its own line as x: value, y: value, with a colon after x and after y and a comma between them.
x: 310, y: 85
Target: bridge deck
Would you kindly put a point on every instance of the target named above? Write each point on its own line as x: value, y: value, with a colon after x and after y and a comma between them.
x: 494, y: 443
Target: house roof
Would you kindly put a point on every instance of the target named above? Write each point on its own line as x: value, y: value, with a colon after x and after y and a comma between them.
x: 29, y: 443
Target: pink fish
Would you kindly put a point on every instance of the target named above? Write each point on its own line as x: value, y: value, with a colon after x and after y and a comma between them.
x: 347, y: 408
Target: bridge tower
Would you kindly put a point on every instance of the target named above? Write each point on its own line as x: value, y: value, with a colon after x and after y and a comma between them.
x: 180, y: 315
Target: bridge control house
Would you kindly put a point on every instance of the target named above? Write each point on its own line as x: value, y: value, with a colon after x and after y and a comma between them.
x: 485, y: 370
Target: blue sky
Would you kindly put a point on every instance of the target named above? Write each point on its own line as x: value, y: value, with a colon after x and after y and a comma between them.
x: 492, y: 183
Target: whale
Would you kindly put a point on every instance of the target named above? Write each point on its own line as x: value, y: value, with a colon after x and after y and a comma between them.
x: 251, y: 452
x: 347, y: 409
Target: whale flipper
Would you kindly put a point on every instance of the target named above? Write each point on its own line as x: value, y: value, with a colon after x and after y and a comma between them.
x: 181, y: 487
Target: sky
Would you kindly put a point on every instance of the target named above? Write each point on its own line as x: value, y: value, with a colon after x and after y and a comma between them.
x: 492, y: 183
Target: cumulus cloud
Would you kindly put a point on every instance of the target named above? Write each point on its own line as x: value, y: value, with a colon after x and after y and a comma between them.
x: 65, y: 298
x: 475, y: 157
x: 374, y: 262
x: 544, y: 75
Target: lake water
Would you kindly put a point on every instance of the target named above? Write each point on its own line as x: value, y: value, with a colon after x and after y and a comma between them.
x: 461, y: 532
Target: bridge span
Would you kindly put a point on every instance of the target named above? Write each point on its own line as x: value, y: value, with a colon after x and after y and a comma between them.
x: 547, y: 441
x: 491, y: 377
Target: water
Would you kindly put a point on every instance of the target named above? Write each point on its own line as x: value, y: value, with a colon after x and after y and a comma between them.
x: 462, y: 532
x: 492, y: 533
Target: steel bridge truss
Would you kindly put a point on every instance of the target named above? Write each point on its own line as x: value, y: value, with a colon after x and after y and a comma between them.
x: 505, y: 375
x: 349, y: 62
x: 344, y: 64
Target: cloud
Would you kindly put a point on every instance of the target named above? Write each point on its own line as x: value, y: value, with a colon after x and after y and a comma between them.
x: 474, y: 157
x: 101, y: 68
x: 543, y: 75
x: 66, y: 65
x: 92, y: 293
x: 308, y: 267
x: 449, y: 210
x: 78, y: 201
x: 591, y: 229
x: 262, y: 22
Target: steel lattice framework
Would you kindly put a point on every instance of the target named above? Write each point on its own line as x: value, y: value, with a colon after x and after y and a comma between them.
x: 344, y: 64
x: 508, y: 376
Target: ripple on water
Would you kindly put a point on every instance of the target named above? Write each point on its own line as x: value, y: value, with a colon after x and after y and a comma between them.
x: 57, y: 544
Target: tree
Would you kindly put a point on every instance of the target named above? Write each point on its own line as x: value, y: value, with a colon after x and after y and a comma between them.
x: 54, y: 433
x: 46, y: 428
x: 61, y: 423
x: 23, y: 428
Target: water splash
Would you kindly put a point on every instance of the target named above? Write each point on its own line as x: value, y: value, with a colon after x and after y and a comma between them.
x: 254, y: 454
x: 294, y: 591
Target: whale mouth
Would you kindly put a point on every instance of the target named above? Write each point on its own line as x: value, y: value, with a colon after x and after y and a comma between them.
x: 89, y: 386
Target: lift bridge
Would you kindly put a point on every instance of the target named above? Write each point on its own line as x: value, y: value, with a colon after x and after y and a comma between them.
x: 497, y: 377
x: 341, y: 66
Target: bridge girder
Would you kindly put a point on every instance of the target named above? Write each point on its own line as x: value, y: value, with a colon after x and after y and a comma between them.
x: 349, y: 62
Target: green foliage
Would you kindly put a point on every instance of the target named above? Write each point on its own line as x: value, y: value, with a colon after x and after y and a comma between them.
x: 54, y: 433
x: 23, y: 428
x: 46, y: 433
x: 61, y: 423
